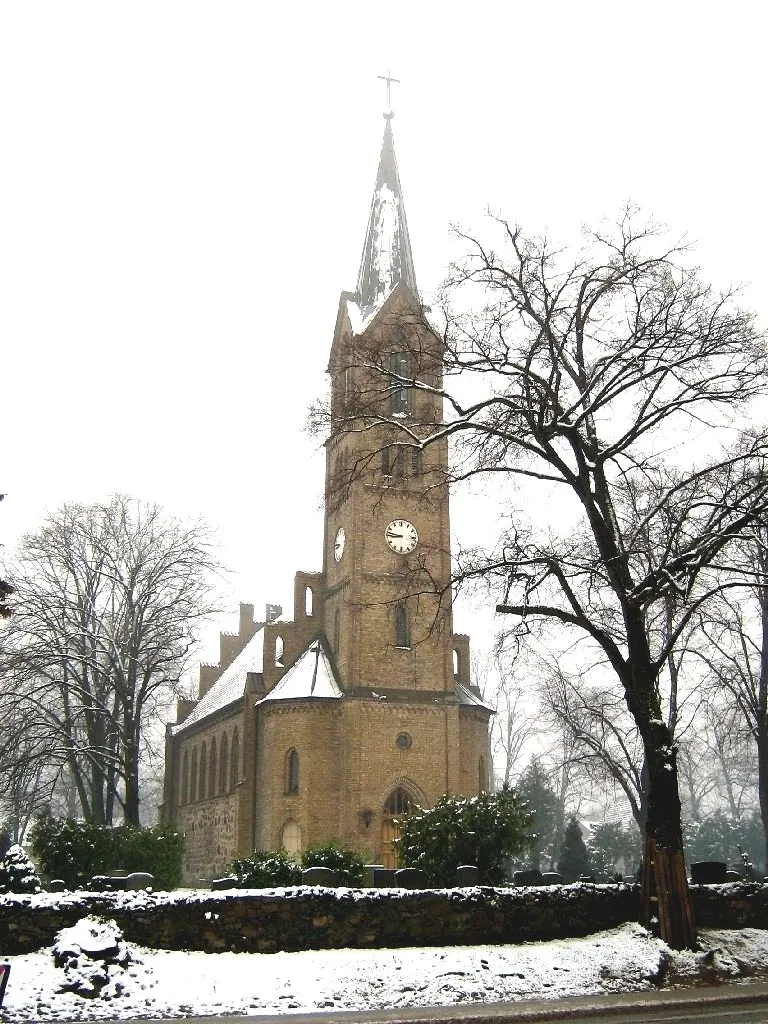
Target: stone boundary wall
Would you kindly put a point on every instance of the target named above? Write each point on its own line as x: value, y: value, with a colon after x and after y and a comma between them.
x: 266, y: 921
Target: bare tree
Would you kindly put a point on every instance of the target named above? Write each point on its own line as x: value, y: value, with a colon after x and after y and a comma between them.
x: 623, y: 384
x: 108, y: 598
x: 737, y: 660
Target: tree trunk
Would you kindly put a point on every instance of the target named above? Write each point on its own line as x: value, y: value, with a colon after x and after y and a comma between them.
x: 666, y: 902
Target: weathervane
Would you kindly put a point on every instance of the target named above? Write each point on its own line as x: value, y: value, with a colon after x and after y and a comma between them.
x: 389, y: 80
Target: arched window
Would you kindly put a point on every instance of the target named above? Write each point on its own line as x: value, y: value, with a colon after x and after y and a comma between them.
x: 185, y: 778
x: 415, y: 461
x: 402, y: 635
x: 234, y: 775
x: 399, y: 394
x: 336, y: 632
x: 290, y: 837
x: 202, y: 784
x: 456, y: 664
x: 399, y: 802
x: 482, y: 778
x: 279, y: 654
x: 223, y: 764
x: 193, y: 778
x: 292, y: 771
x: 213, y: 775
x: 308, y: 602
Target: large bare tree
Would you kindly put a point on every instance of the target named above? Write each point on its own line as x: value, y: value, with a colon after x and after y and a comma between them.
x: 108, y: 599
x: 620, y: 387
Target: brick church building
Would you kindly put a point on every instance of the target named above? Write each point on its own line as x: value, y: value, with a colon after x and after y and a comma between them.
x: 332, y: 725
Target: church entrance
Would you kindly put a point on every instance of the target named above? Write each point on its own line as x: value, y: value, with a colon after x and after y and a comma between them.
x: 397, y: 805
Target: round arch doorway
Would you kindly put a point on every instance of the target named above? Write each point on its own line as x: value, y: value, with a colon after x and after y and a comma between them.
x: 398, y: 804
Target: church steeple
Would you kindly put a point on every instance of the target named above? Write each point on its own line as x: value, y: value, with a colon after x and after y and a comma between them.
x: 387, y: 258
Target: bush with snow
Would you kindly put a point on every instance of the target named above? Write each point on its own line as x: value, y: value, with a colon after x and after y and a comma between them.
x: 17, y: 873
x: 94, y: 958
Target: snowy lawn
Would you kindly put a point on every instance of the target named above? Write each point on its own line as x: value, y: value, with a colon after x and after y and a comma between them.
x: 161, y: 983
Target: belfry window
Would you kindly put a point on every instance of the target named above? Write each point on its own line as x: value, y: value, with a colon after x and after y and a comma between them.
x: 292, y: 772
x: 279, y: 652
x: 402, y: 633
x: 415, y: 461
x: 336, y: 632
x: 308, y: 602
x: 399, y: 394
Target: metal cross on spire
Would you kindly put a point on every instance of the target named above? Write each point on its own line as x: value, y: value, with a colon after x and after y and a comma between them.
x: 389, y: 80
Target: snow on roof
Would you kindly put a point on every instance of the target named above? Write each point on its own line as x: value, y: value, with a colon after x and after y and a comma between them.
x: 230, y: 686
x: 465, y: 696
x: 311, y: 675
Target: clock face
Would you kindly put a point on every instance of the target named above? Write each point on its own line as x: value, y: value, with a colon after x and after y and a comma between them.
x: 401, y: 536
x: 338, y: 544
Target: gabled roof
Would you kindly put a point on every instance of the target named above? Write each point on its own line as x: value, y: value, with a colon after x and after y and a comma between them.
x: 467, y: 697
x: 387, y: 257
x: 311, y: 675
x: 230, y: 686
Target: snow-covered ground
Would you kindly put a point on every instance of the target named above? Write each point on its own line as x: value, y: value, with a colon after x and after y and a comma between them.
x: 166, y: 984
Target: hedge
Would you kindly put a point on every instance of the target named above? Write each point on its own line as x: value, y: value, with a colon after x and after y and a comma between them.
x: 75, y: 851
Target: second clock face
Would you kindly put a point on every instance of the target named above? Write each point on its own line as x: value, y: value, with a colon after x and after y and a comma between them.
x: 338, y: 544
x: 401, y: 536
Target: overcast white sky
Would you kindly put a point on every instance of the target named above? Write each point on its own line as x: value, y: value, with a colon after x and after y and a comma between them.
x: 184, y: 190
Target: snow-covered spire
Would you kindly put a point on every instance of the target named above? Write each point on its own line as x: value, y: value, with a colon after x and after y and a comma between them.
x: 387, y: 258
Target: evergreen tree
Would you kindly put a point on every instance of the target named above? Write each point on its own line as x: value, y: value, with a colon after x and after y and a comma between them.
x: 17, y: 873
x: 574, y: 857
x: 543, y: 803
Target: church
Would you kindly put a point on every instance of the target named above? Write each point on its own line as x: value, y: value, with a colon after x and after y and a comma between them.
x: 331, y: 726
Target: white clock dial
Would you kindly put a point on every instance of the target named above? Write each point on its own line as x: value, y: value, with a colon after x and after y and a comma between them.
x: 338, y: 544
x: 401, y: 536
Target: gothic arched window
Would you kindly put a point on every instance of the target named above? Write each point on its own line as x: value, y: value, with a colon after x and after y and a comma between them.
x: 398, y: 802
x: 308, y: 602
x: 279, y: 652
x: 213, y: 770
x: 203, y: 780
x: 185, y: 778
x: 234, y: 776
x: 223, y: 764
x: 292, y: 771
x: 402, y: 633
x: 193, y: 778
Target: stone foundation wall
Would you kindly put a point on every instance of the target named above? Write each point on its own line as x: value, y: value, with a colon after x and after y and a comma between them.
x: 266, y: 921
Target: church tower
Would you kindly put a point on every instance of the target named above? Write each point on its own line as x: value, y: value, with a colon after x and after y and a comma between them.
x: 331, y: 726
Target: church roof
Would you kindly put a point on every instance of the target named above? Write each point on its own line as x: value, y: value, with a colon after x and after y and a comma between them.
x: 387, y: 258
x: 230, y: 686
x: 311, y: 675
x: 467, y: 697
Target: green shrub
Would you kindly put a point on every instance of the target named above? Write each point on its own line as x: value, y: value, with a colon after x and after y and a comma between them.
x: 75, y: 851
x: 17, y: 873
x: 484, y: 830
x: 573, y: 861
x: 265, y: 870
x: 348, y: 865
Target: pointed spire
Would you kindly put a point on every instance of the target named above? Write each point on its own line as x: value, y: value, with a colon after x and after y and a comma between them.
x: 387, y: 258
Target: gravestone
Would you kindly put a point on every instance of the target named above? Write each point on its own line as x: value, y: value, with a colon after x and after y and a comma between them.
x: 530, y: 877
x: 551, y: 878
x: 319, y: 876
x: 384, y: 877
x: 370, y: 872
x: 708, y: 872
x: 410, y: 878
x: 467, y: 874
x: 139, y: 880
x: 229, y: 882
